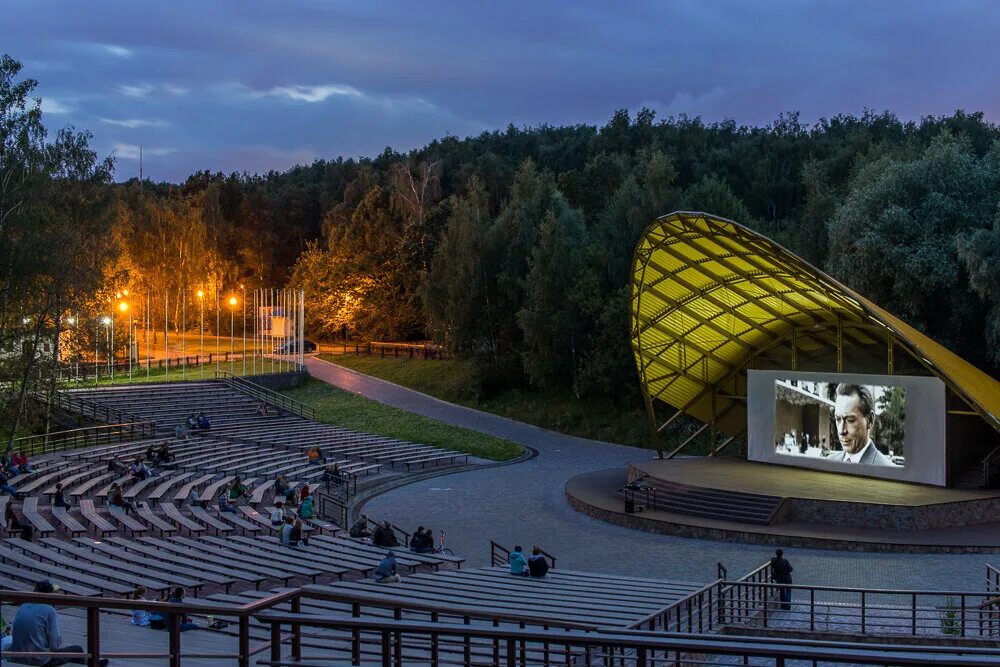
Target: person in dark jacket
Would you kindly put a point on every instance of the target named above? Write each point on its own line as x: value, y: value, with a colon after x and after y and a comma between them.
x: 386, y: 571
x: 360, y: 528
x: 59, y: 498
x: 537, y: 565
x: 781, y: 573
x: 384, y: 536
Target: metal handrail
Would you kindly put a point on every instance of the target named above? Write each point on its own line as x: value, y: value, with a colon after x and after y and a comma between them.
x: 395, y: 529
x: 324, y: 501
x: 989, y: 466
x: 86, y: 407
x: 269, y: 396
x: 529, y: 646
x: 87, y: 436
x: 499, y: 555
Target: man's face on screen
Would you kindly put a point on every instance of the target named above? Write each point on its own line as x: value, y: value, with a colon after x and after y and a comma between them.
x: 852, y: 425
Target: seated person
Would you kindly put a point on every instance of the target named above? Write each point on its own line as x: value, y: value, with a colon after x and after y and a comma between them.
x: 384, y: 536
x: 59, y: 498
x: 7, y: 488
x: 298, y: 535
x: 306, y: 508
x: 140, y: 617
x: 417, y: 539
x: 192, y: 422
x: 281, y: 488
x: 203, y: 422
x: 286, y: 532
x: 238, y: 489
x: 225, y: 505
x: 163, y: 454
x: 332, y: 476
x: 151, y: 455
x: 314, y: 456
x: 116, y: 466
x: 304, y: 492
x: 537, y: 565
x: 278, y: 515
x: 518, y: 563
x: 385, y: 573
x: 194, y: 500
x: 159, y: 622
x: 360, y: 528
x: 422, y: 541
x: 20, y: 461
x: 262, y: 410
x: 117, y: 502
x: 36, y: 629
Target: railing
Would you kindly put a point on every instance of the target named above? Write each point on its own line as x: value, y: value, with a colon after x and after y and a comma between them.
x: 394, y: 643
x: 173, y: 613
x: 991, y: 468
x: 88, y: 436
x: 992, y: 579
x: 499, y: 555
x: 862, y: 611
x: 381, y: 349
x: 85, y: 407
x: 330, y: 508
x: 266, y: 395
x: 81, y: 371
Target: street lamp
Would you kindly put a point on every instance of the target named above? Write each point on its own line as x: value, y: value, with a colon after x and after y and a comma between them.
x: 232, y: 332
x: 109, y: 337
x: 244, y: 309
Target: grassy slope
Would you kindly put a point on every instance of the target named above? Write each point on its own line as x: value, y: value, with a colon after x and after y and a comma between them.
x: 343, y: 408
x: 450, y: 380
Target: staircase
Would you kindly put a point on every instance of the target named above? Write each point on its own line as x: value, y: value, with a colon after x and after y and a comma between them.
x: 984, y: 474
x: 667, y: 496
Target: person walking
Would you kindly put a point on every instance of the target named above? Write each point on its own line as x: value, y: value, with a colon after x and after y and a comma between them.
x: 781, y: 573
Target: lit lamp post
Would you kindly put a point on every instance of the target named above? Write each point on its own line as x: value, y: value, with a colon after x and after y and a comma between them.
x: 123, y: 307
x: 109, y: 337
x: 232, y: 336
x: 201, y: 327
x: 244, y: 309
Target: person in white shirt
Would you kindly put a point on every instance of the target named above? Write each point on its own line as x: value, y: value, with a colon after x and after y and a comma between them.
x: 854, y: 414
x: 277, y: 515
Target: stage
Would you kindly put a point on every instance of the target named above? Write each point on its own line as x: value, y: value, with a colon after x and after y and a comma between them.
x: 738, y: 500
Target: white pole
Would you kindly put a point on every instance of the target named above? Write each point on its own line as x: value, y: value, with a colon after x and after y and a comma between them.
x: 243, y: 307
x: 302, y: 323
x: 184, y: 331
x: 147, y: 334
x: 201, y: 328
x: 256, y: 316
x: 218, y: 350
x: 166, y: 333
x: 113, y: 355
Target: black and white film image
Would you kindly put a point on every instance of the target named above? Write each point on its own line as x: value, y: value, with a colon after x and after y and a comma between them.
x: 843, y: 424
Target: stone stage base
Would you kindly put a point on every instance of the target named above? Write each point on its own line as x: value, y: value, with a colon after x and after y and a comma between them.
x: 708, y: 497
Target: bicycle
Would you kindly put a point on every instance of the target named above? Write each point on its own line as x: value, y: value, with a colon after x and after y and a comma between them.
x: 441, y: 548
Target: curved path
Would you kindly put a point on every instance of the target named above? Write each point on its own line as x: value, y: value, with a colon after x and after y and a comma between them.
x: 524, y: 503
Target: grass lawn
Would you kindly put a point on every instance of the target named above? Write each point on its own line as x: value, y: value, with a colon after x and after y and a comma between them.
x: 335, y: 406
x: 450, y: 380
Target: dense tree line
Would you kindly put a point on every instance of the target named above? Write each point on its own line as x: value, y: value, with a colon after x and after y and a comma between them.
x: 513, y: 247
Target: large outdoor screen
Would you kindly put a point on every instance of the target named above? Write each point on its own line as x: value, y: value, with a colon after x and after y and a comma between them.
x: 871, y: 425
x: 840, y: 422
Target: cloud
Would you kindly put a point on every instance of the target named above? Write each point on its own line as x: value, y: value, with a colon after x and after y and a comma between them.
x: 141, y: 90
x: 50, y: 105
x: 119, y: 51
x: 312, y: 94
x: 136, y: 122
x: 131, y: 151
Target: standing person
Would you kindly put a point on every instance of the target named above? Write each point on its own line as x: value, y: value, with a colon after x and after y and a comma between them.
x: 36, y: 629
x: 781, y: 573
x: 385, y: 573
x: 537, y: 565
x: 518, y: 563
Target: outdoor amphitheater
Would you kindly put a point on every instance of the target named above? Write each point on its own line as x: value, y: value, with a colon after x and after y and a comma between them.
x: 655, y: 558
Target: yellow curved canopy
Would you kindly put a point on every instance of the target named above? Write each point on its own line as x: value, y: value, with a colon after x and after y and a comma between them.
x: 711, y: 297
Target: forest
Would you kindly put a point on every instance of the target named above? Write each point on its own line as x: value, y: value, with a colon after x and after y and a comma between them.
x: 512, y: 248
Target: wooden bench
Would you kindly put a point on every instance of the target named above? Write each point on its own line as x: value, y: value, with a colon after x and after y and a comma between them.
x: 72, y: 526
x: 31, y: 513
x: 112, y: 573
x: 10, y: 572
x: 203, y: 515
x: 237, y: 570
x: 208, y: 495
x: 182, y: 521
x: 135, y: 566
x: 185, y: 491
x: 160, y: 490
x: 153, y: 519
x: 122, y: 517
x: 222, y: 575
x: 90, y: 514
x: 434, y: 459
x: 241, y: 557
x: 62, y: 573
x: 139, y: 487
x: 89, y: 484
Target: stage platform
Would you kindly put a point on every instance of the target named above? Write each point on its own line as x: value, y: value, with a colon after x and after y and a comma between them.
x: 734, y: 499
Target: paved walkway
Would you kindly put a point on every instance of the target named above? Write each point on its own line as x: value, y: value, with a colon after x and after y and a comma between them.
x: 524, y: 503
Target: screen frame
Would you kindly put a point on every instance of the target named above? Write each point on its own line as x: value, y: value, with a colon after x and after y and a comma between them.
x: 924, y: 439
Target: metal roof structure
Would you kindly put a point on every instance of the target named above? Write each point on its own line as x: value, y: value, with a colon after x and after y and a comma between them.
x: 711, y: 298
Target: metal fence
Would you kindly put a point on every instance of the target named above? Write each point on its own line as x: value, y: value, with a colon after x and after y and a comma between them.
x: 382, y: 349
x: 269, y: 396
x: 88, y: 436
